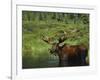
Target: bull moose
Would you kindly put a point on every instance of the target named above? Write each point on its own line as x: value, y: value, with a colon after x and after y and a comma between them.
x: 69, y: 55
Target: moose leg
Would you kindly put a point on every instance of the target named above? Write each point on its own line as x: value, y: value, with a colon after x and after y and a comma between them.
x: 63, y: 61
x: 60, y: 62
x: 83, y: 57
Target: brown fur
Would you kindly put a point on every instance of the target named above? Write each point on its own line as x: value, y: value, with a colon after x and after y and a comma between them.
x: 71, y: 55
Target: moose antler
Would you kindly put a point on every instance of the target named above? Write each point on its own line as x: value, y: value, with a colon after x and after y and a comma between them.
x: 63, y: 37
x: 46, y: 39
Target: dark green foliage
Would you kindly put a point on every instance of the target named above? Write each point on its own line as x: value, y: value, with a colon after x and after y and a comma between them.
x: 35, y: 52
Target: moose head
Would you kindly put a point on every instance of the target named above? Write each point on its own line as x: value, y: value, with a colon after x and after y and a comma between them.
x: 56, y: 44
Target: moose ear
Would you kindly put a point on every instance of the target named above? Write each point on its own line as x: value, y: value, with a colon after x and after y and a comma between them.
x: 61, y: 44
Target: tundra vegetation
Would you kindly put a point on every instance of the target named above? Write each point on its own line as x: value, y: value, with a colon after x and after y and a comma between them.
x: 35, y: 53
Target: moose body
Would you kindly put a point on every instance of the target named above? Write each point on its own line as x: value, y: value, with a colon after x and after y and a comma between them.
x: 69, y: 55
